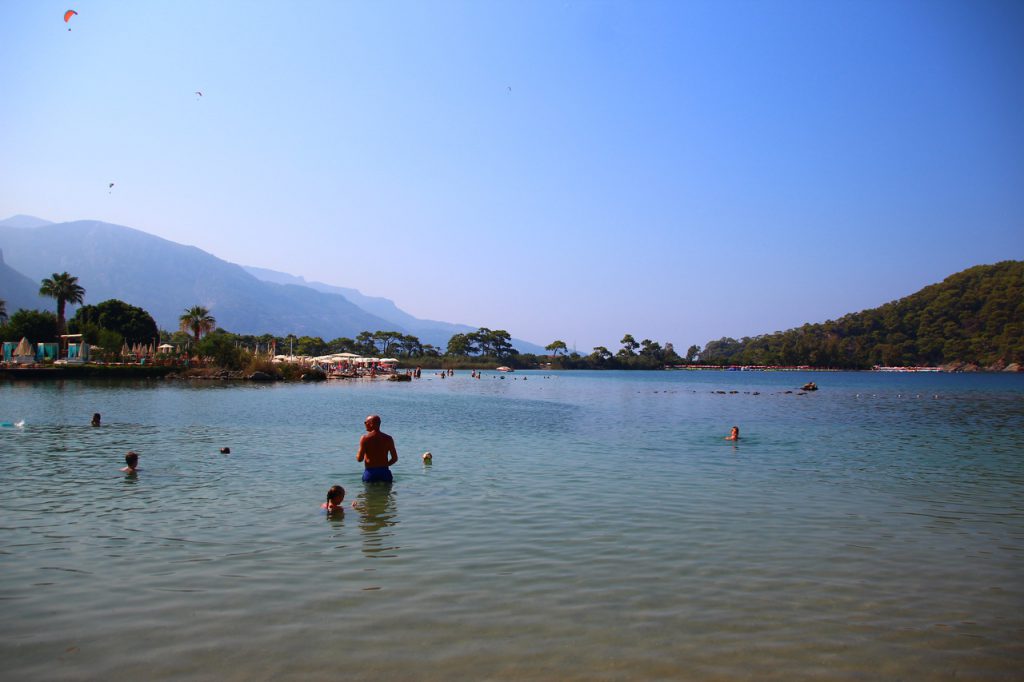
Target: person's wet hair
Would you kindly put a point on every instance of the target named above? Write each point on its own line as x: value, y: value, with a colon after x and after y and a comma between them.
x: 334, y: 492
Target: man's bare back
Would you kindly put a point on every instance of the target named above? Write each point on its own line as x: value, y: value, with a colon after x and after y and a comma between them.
x: 376, y: 448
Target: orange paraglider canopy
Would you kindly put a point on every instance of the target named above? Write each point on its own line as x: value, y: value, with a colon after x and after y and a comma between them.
x: 67, y: 15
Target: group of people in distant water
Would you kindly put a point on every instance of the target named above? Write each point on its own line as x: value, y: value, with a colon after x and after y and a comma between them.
x: 377, y: 453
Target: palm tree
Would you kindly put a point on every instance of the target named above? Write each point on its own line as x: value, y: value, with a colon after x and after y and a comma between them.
x: 65, y: 289
x: 197, y: 320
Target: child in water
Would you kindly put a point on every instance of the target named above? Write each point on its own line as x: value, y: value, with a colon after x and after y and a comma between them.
x: 335, y: 500
x: 734, y: 434
x: 132, y: 460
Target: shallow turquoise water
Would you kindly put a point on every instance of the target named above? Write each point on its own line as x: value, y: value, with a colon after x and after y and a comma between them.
x: 572, y: 526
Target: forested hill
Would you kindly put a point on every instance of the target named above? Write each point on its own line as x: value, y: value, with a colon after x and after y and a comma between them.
x: 975, y: 317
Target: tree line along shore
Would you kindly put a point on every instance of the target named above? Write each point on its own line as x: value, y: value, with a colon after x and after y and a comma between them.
x: 973, y: 320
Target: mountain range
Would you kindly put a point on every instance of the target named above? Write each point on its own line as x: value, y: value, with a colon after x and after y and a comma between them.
x: 165, y: 278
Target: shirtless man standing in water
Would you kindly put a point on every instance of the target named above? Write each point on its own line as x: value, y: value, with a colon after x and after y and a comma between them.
x: 377, y: 452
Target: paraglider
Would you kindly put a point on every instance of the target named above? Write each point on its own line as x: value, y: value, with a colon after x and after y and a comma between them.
x: 199, y: 93
x: 67, y: 16
x: 110, y: 188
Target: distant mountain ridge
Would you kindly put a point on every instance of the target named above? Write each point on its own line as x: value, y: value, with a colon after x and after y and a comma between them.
x: 24, y: 222
x: 18, y: 291
x: 165, y: 278
x: 381, y: 307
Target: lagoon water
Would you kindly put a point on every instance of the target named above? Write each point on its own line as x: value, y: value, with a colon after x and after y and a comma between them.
x: 572, y: 526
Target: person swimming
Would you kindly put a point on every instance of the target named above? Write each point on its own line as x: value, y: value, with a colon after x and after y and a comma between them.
x: 132, y: 460
x: 95, y: 419
x: 335, y: 503
x: 734, y: 434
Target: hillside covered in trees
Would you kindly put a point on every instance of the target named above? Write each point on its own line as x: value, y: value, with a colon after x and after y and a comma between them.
x: 973, y: 317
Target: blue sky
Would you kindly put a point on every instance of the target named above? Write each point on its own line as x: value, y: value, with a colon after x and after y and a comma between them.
x: 680, y: 171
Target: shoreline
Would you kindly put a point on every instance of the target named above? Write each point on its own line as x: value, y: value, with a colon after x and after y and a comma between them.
x: 87, y: 372
x: 119, y: 372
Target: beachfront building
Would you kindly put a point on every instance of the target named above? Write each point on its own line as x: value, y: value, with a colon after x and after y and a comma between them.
x: 77, y: 348
x: 47, y: 351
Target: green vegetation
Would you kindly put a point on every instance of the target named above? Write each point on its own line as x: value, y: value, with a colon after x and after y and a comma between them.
x: 198, y: 320
x: 975, y: 316
x: 482, y: 343
x: 65, y: 289
x: 34, y: 325
x: 645, y: 354
x: 113, y: 323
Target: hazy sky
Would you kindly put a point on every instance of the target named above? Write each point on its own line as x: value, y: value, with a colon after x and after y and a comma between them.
x: 563, y: 170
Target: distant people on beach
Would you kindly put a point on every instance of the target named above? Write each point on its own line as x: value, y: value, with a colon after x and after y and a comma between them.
x: 335, y: 503
x: 96, y: 419
x: 734, y: 434
x: 377, y: 452
x: 132, y: 462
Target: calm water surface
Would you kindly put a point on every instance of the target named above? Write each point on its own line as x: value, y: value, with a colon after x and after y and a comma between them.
x: 572, y: 526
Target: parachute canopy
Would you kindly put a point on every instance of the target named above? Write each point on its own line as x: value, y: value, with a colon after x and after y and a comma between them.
x: 67, y: 15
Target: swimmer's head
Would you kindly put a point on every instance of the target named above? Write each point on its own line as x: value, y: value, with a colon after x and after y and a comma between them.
x: 372, y: 422
x: 427, y: 457
x: 735, y: 432
x: 96, y: 419
x: 336, y: 495
x: 225, y: 451
x: 132, y: 459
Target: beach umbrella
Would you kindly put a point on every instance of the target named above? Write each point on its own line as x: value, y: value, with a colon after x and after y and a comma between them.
x: 24, y: 347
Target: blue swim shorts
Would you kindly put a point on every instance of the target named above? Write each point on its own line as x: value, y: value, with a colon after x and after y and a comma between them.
x: 377, y: 475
